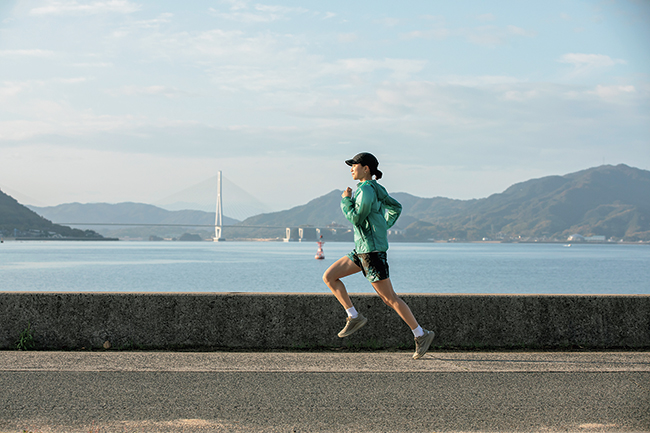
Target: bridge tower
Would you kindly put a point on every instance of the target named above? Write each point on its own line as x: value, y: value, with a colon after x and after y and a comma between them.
x: 218, y: 223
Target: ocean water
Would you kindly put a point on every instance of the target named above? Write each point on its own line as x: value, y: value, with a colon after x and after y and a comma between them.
x: 291, y: 267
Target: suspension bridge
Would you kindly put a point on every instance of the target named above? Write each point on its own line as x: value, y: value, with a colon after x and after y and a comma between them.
x: 195, y: 198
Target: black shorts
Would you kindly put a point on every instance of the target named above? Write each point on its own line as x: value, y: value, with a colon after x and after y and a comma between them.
x: 373, y: 265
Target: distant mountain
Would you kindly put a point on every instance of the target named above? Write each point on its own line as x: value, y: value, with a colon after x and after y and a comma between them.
x: 17, y: 220
x: 125, y: 213
x: 321, y: 212
x: 131, y: 213
x: 610, y: 201
x: 202, y: 196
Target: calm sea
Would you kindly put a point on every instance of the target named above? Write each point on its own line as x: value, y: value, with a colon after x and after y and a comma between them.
x: 291, y: 267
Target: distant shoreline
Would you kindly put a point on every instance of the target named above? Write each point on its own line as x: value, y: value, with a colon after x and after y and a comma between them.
x: 568, y: 243
x: 61, y: 239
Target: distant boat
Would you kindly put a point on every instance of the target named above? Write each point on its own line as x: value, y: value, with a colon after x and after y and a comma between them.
x: 568, y: 245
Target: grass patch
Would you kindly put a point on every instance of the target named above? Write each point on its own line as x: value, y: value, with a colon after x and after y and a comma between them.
x: 26, y: 339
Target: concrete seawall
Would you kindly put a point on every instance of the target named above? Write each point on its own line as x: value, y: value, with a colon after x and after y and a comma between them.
x: 239, y: 321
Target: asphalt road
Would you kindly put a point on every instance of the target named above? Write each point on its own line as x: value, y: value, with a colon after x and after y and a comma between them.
x: 334, y: 392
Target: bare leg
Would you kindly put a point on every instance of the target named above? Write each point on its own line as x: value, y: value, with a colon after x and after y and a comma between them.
x: 384, y: 289
x: 332, y: 277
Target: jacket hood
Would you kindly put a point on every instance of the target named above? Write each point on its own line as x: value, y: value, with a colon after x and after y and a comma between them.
x: 379, y: 190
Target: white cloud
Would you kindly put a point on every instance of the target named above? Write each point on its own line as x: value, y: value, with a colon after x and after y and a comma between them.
x: 437, y: 33
x: 74, y: 80
x: 493, y: 35
x: 40, y: 117
x: 259, y: 13
x: 165, y: 18
x: 279, y: 10
x: 16, y: 130
x: 485, y: 114
x: 347, y: 37
x: 293, y: 71
x: 256, y: 79
x: 15, y: 94
x: 236, y: 61
x: 487, y: 35
x: 438, y: 19
x: 479, y: 81
x: 611, y: 92
x: 437, y: 29
x: 26, y: 53
x: 486, y: 17
x: 237, y: 4
x: 65, y: 7
x: 521, y: 96
x: 215, y: 45
x: 389, y: 22
x: 94, y: 65
x: 400, y: 68
x: 514, y: 30
x: 595, y: 60
x: 152, y: 26
x: 166, y: 91
x: 585, y: 63
x: 11, y: 89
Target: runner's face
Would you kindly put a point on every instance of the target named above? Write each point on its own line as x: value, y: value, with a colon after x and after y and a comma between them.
x: 360, y: 172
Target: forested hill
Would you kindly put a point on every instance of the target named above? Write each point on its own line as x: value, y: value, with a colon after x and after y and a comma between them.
x: 610, y: 201
x: 17, y: 220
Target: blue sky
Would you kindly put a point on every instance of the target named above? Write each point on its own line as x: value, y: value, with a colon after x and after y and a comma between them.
x: 134, y: 100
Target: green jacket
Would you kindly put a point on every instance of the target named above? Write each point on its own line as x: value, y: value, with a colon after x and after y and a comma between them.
x: 372, y: 212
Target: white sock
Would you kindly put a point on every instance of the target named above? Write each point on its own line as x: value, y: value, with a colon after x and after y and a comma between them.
x: 418, y: 332
x: 352, y: 312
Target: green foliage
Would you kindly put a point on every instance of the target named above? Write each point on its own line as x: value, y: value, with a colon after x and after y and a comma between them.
x: 26, y: 339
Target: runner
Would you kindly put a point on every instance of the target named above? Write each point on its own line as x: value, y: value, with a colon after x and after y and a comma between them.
x: 372, y: 212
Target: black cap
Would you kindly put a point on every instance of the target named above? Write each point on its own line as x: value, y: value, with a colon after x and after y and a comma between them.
x: 364, y: 158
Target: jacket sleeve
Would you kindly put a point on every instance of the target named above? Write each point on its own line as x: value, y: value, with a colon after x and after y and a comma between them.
x: 358, y: 210
x: 393, y: 210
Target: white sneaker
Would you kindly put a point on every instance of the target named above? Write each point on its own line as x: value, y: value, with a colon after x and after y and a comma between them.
x: 422, y: 344
x: 353, y: 325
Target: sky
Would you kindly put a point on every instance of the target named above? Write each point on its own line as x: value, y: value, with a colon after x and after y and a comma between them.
x: 136, y: 100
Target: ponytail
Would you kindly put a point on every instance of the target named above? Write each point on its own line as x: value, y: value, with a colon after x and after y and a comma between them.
x: 378, y: 174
